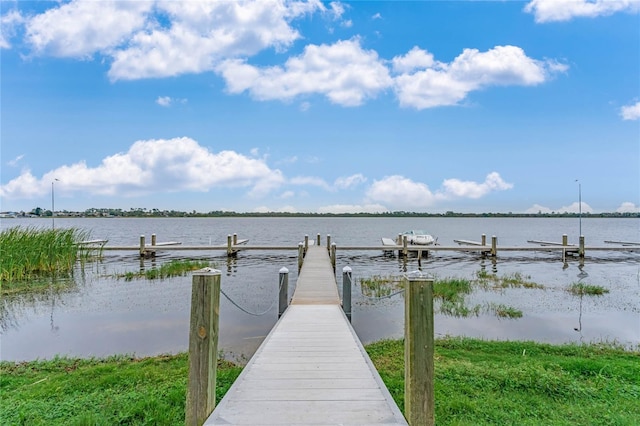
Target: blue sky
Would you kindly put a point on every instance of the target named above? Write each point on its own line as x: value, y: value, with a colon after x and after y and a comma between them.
x: 309, y: 106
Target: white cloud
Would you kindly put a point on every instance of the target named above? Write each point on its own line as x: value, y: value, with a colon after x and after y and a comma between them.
x: 402, y: 193
x: 377, y: 16
x: 564, y: 10
x: 575, y: 208
x: 164, y: 101
x: 163, y: 165
x: 82, y: 28
x: 8, y: 23
x: 344, y: 72
x: 349, y: 182
x: 425, y: 83
x: 311, y: 181
x: 15, y: 161
x: 353, y: 208
x: 474, y: 190
x: 628, y: 207
x: 630, y: 112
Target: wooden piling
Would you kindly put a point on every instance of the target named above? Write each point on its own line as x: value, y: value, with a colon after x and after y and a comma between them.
x: 581, y: 247
x: 306, y: 243
x: 328, y: 242
x: 300, y: 255
x: 494, y: 246
x: 332, y: 255
x: 283, y: 299
x: 229, y: 245
x: 405, y: 250
x: 483, y: 239
x: 153, y: 243
x: 235, y: 239
x: 142, y: 246
x: 346, y: 291
x: 203, y: 346
x: 419, y: 400
x: 318, y: 240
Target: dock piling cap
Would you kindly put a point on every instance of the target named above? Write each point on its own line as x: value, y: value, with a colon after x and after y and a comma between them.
x: 207, y: 271
x: 346, y: 269
x: 284, y: 270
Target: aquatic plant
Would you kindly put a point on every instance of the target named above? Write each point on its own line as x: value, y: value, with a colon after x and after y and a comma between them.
x: 30, y: 254
x: 582, y: 289
x: 174, y: 268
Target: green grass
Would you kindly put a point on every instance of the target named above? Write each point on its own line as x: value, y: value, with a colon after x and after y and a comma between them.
x: 113, y: 391
x: 582, y: 289
x: 476, y: 383
x: 172, y: 268
x: 523, y: 383
x: 31, y: 255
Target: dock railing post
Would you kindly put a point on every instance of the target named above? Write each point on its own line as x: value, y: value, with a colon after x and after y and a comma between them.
x: 153, y: 243
x: 494, y: 246
x: 328, y: 242
x: 306, y: 243
x: 318, y: 240
x: 581, y: 249
x: 483, y: 239
x: 565, y: 240
x: 300, y: 255
x: 229, y: 245
x: 283, y: 299
x: 142, y: 246
x: 203, y: 346
x: 333, y: 256
x: 419, y: 400
x: 405, y: 250
x: 346, y: 291
x: 235, y: 239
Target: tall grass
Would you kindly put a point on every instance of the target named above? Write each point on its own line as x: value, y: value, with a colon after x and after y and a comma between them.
x: 35, y: 253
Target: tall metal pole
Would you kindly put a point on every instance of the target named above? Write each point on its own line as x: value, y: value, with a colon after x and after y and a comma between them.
x: 579, y: 207
x: 53, y: 220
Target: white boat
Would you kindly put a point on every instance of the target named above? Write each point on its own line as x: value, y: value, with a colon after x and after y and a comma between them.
x: 418, y: 238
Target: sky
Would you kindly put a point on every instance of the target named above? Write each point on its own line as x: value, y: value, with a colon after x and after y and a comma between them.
x: 325, y: 107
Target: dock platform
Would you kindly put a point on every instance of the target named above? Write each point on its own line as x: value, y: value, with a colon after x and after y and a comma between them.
x: 311, y: 369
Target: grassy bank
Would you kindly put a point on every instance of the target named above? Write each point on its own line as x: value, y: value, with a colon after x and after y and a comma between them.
x: 477, y: 382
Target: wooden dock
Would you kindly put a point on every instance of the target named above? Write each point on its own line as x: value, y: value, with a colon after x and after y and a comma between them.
x: 311, y: 368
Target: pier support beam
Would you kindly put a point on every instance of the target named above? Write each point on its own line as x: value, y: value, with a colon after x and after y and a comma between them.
x: 203, y: 346
x: 419, y: 400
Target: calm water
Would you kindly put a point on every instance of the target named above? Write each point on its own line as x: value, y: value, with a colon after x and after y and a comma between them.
x: 101, y: 315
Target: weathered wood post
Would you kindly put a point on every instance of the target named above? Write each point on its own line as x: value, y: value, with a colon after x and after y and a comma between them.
x: 318, y: 240
x: 229, y: 245
x: 405, y: 251
x: 346, y: 291
x: 581, y: 248
x: 399, y: 240
x: 235, y: 239
x: 483, y: 239
x: 153, y: 243
x: 306, y: 243
x: 328, y: 242
x: 419, y: 400
x: 332, y: 255
x: 300, y: 255
x: 142, y: 246
x: 203, y: 346
x: 283, y: 300
x: 494, y: 246
x: 565, y: 240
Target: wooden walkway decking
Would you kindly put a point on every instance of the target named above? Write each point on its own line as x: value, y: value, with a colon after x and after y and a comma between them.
x: 311, y: 369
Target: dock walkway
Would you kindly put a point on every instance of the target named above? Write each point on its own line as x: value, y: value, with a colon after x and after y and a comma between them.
x: 311, y: 369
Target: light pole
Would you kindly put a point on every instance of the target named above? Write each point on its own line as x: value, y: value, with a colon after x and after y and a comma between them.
x: 53, y: 211
x: 579, y: 208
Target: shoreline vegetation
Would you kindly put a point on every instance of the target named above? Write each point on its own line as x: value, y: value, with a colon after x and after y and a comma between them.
x: 144, y: 212
x: 477, y: 382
